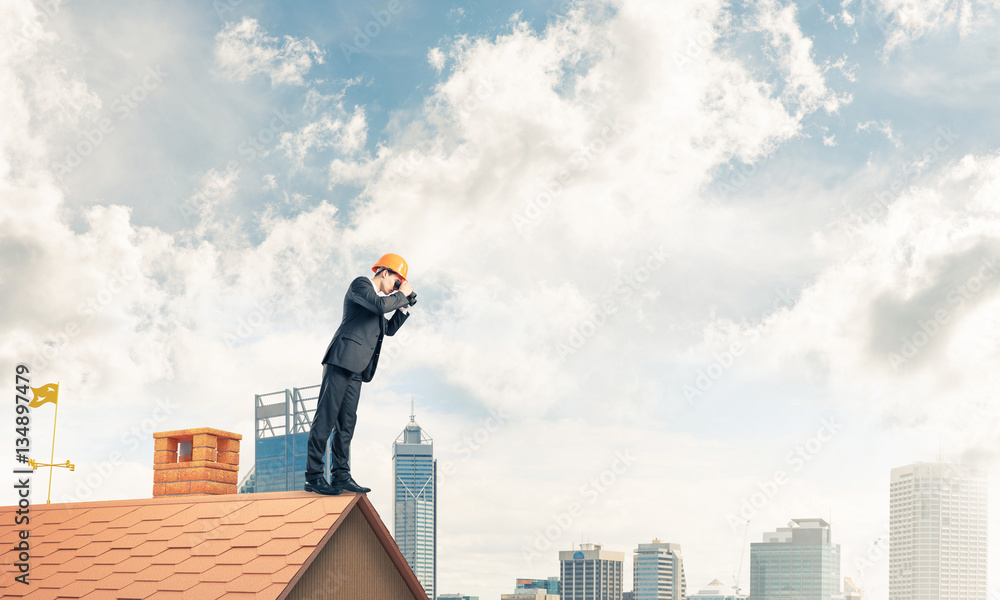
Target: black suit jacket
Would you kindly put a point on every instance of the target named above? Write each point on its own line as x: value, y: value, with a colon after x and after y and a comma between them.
x: 357, y: 343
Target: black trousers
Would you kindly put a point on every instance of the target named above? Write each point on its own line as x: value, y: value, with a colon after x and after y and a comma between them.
x: 336, y: 412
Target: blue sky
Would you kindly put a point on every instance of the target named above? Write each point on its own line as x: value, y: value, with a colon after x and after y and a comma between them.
x: 694, y: 232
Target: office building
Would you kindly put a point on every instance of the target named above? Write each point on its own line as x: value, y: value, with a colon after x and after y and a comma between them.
x: 529, y: 594
x: 591, y: 573
x: 414, y: 473
x: 550, y: 585
x: 798, y: 562
x: 456, y: 597
x: 716, y: 590
x: 937, y: 532
x: 658, y: 572
x: 283, y: 420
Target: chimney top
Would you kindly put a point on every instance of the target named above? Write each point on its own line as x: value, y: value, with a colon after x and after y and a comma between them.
x: 198, y: 461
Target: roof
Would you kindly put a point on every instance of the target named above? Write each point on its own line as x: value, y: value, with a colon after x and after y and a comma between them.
x: 229, y: 547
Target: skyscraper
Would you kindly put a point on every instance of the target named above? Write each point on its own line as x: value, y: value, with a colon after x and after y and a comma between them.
x: 937, y: 532
x: 414, y: 473
x: 799, y: 562
x: 282, y: 427
x: 591, y: 573
x: 658, y: 572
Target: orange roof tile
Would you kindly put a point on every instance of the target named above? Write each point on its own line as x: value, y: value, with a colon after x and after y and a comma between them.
x: 207, y: 547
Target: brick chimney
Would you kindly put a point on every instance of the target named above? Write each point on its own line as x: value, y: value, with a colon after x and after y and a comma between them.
x: 197, y: 461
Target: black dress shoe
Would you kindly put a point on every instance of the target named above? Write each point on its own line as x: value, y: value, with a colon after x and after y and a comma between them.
x: 351, y: 486
x: 320, y: 486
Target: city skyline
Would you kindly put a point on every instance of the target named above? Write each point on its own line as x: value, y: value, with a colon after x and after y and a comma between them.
x: 685, y: 269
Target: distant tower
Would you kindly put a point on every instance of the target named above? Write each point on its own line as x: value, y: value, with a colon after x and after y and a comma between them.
x: 415, y: 510
x: 658, y: 572
x: 590, y: 573
x: 798, y: 562
x: 937, y: 532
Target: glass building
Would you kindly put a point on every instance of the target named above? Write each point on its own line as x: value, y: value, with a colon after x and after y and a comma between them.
x: 938, y: 542
x: 283, y: 420
x: 799, y: 562
x: 550, y: 585
x: 591, y: 573
x: 414, y: 473
x: 658, y: 572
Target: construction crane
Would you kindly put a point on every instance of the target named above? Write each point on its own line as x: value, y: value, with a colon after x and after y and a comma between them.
x: 739, y: 566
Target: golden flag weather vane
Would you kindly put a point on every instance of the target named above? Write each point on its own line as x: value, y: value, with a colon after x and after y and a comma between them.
x: 43, y: 395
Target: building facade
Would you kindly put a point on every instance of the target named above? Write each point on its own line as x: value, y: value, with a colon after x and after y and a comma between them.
x: 937, y: 532
x: 799, y: 562
x: 414, y: 473
x: 591, y: 573
x: 716, y: 590
x: 658, y: 572
x: 550, y: 585
x: 282, y: 422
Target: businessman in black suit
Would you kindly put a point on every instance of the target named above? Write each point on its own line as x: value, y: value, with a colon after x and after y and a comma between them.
x: 350, y: 360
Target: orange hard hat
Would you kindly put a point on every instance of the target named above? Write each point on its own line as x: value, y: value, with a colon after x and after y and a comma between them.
x: 393, y: 262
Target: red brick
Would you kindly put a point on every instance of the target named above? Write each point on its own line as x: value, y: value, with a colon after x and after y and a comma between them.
x: 164, y: 457
x: 195, y: 474
x: 159, y: 489
x: 203, y: 454
x: 185, y: 458
x: 204, y: 440
x: 230, y: 477
x: 198, y: 463
x: 165, y: 444
x: 229, y: 458
x: 165, y: 476
x: 229, y: 445
x: 212, y: 488
x: 179, y: 487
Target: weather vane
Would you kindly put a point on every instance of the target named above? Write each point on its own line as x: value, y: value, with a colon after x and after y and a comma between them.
x: 43, y: 395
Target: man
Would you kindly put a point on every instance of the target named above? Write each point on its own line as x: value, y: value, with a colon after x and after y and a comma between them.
x: 350, y: 359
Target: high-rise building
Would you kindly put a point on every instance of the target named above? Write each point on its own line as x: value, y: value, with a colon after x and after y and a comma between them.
x: 529, y: 594
x: 658, y: 572
x: 283, y: 420
x: 550, y: 585
x: 414, y: 472
x: 591, y: 573
x: 799, y: 562
x: 937, y: 532
x: 716, y: 590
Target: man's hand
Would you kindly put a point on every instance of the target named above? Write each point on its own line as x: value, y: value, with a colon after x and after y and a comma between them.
x: 406, y: 288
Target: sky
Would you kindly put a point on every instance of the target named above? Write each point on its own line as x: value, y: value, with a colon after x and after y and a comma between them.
x: 686, y: 270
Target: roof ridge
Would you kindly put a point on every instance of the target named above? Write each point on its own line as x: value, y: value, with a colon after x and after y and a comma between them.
x: 184, y: 499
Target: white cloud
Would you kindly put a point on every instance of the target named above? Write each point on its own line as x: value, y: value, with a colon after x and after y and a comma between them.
x: 904, y: 21
x: 436, y: 58
x: 346, y: 133
x: 884, y: 127
x: 244, y: 49
x: 806, y: 86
